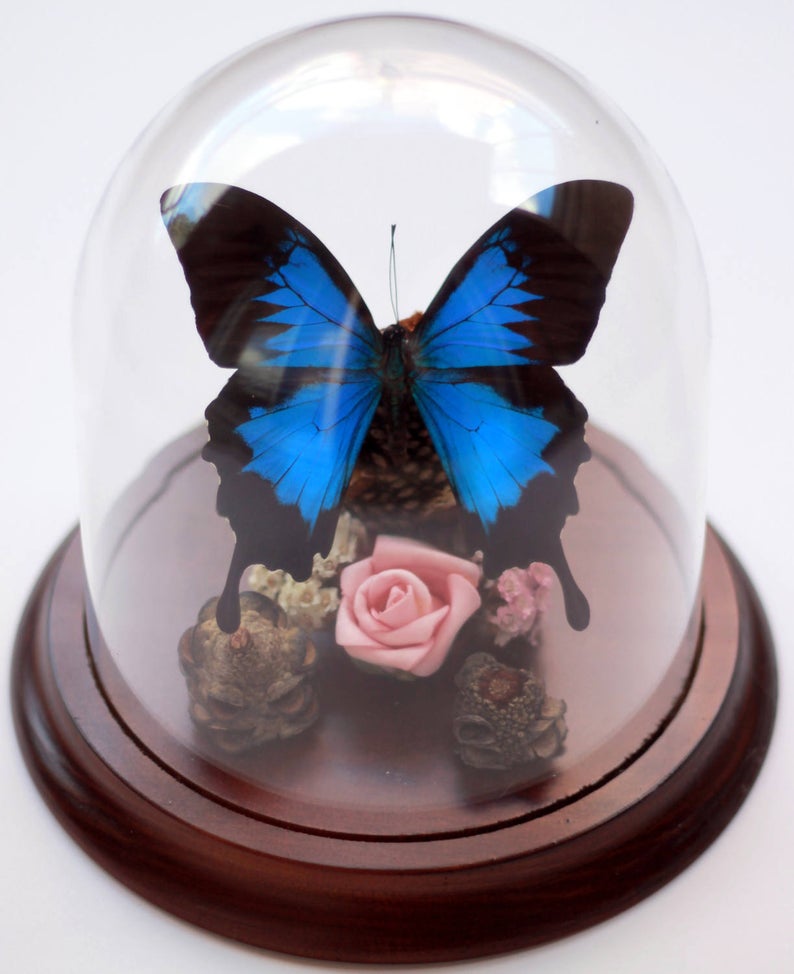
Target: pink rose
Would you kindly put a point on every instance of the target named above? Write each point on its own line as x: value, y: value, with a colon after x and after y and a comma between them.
x: 402, y: 607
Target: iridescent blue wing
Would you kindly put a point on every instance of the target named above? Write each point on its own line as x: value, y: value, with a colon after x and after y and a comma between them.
x: 531, y: 288
x: 272, y: 302
x: 509, y: 433
x: 510, y: 442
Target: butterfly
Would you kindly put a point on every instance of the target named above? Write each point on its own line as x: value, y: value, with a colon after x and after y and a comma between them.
x: 314, y: 373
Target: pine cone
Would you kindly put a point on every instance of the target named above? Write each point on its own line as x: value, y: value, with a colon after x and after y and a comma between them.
x: 503, y: 716
x: 254, y: 685
x: 399, y: 486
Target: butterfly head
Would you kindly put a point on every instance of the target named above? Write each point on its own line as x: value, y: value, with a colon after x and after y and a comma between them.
x: 396, y: 356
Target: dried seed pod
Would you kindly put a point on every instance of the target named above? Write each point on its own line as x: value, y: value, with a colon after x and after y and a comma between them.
x: 399, y: 486
x: 254, y: 685
x: 503, y: 716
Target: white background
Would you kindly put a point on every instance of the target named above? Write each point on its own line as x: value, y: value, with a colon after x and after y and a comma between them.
x: 711, y: 85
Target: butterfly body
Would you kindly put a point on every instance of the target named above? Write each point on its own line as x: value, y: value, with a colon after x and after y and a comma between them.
x: 396, y: 372
x: 322, y: 401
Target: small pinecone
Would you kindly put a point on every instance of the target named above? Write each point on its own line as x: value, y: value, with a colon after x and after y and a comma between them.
x: 503, y: 716
x: 254, y: 685
x: 398, y: 485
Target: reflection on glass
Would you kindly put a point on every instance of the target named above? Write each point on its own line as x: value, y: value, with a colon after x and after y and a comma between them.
x: 422, y: 496
x: 445, y: 447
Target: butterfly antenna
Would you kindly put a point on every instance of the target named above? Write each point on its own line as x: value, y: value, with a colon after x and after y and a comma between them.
x: 393, y: 276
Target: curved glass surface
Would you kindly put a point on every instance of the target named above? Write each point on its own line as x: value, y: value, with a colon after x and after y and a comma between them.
x: 482, y: 527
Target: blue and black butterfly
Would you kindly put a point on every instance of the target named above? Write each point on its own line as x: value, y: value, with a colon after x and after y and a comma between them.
x: 314, y: 376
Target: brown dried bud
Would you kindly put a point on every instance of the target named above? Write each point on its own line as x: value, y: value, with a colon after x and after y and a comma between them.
x: 503, y: 716
x: 254, y: 685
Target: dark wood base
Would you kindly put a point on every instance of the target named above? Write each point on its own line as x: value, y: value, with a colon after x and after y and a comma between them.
x: 394, y: 898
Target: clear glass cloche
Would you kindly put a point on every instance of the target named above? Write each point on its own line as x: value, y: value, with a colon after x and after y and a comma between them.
x: 391, y: 350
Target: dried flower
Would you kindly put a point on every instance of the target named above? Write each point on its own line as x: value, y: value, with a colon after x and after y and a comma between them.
x: 254, y: 685
x: 349, y: 539
x: 312, y: 604
x: 524, y: 594
x: 503, y: 716
x: 308, y: 604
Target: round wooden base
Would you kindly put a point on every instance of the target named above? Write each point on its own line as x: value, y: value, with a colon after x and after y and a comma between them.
x: 394, y: 898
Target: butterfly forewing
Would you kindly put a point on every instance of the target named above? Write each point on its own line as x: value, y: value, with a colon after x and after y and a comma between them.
x: 264, y: 289
x: 531, y: 288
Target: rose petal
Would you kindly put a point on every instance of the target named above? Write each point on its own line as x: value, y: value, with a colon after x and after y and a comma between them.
x: 418, y: 631
x: 374, y: 591
x: 430, y: 564
x: 353, y: 576
x: 403, y: 656
x: 463, y: 603
x: 380, y: 585
x: 401, y: 608
x: 347, y: 633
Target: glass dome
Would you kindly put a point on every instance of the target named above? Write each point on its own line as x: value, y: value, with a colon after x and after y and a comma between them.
x: 470, y: 539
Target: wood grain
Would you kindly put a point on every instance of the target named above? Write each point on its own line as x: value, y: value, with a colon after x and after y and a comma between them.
x: 394, y: 898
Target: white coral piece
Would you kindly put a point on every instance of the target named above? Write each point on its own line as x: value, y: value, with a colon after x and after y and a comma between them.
x: 313, y: 604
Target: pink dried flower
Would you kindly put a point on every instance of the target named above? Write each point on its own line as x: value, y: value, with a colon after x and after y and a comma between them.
x: 525, y: 592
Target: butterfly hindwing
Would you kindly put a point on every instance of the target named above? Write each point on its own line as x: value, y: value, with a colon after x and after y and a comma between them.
x: 489, y: 446
x: 511, y: 442
x: 272, y: 302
